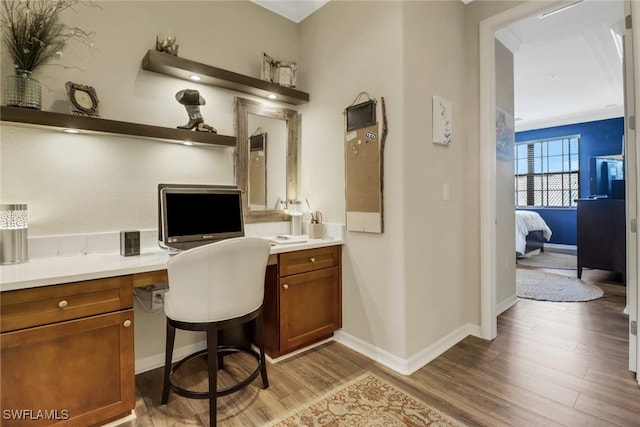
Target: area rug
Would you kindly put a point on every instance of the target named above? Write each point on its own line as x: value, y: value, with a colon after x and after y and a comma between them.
x: 366, y: 401
x: 545, y: 286
x: 550, y: 260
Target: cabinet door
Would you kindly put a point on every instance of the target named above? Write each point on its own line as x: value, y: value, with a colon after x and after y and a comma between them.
x: 310, y: 307
x: 75, y: 373
x: 601, y: 234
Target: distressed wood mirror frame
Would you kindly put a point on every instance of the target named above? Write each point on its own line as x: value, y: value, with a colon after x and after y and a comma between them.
x: 244, y: 107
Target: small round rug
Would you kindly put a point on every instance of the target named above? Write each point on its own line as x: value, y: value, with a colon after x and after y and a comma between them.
x: 550, y: 260
x: 545, y: 286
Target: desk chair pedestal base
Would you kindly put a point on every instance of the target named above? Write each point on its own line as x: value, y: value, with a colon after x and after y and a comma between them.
x: 214, y: 363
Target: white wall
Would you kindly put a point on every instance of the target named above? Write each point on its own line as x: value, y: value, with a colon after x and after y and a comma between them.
x: 88, y: 183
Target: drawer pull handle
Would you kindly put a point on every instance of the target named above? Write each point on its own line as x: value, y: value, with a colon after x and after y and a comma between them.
x: 63, y: 303
x: 285, y: 286
x: 127, y: 323
x: 312, y: 259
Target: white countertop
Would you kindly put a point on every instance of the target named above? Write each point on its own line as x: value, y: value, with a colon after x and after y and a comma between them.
x: 87, y: 266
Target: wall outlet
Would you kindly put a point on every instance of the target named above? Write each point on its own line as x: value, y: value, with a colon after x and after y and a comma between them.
x: 157, y: 299
x: 152, y: 297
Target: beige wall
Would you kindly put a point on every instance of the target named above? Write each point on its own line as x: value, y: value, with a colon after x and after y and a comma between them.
x: 88, y: 183
x: 79, y: 184
x: 419, y: 281
x: 347, y: 48
x: 402, y: 290
x: 434, y: 64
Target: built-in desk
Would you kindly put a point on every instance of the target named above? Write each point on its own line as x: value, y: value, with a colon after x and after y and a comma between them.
x: 64, y: 269
x: 67, y: 342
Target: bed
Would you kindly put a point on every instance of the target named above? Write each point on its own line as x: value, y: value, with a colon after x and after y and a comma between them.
x: 531, y: 232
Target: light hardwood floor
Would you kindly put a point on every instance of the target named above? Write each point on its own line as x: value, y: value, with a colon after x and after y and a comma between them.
x: 552, y: 364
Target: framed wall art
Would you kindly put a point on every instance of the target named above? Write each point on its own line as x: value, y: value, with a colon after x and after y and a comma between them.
x: 442, y: 121
x: 505, y: 135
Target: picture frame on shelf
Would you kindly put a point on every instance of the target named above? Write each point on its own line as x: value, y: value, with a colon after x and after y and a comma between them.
x: 267, y: 70
x: 83, y: 99
x: 286, y: 72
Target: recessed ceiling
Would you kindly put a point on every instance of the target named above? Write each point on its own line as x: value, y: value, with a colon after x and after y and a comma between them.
x: 568, y: 65
x: 294, y: 10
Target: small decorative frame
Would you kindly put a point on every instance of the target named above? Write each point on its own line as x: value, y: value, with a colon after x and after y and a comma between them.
x: 283, y: 73
x: 268, y: 66
x: 286, y: 72
x: 84, y: 100
x: 442, y: 121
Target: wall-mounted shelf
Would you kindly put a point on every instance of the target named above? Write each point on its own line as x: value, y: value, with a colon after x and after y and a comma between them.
x: 48, y: 119
x: 174, y: 66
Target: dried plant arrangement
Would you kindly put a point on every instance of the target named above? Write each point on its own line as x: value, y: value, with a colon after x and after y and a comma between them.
x: 32, y: 31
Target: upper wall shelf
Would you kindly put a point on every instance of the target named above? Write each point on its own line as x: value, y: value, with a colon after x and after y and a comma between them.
x: 48, y: 119
x: 174, y: 66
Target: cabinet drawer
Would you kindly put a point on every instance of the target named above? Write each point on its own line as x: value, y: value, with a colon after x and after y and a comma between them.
x: 309, y: 260
x: 50, y: 304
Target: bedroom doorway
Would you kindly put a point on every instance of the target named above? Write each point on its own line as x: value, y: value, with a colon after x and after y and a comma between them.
x: 489, y: 228
x: 564, y: 136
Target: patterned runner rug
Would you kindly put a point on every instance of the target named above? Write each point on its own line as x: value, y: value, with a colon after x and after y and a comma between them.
x: 366, y: 401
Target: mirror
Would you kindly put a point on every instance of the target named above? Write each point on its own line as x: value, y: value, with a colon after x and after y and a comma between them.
x: 267, y: 166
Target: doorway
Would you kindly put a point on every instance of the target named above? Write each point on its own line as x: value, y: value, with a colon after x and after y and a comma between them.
x: 489, y: 227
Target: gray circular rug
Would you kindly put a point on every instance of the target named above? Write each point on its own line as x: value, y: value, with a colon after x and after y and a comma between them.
x: 550, y: 260
x: 545, y: 286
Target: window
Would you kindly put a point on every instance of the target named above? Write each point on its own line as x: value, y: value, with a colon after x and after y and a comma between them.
x: 547, y: 172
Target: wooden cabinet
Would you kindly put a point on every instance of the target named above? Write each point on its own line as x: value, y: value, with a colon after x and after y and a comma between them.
x: 601, y: 235
x: 303, y: 299
x: 66, y: 353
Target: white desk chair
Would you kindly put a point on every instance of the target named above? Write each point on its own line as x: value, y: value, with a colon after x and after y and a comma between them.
x: 212, y: 288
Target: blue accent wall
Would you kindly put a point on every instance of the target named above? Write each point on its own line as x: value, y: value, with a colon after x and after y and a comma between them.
x: 597, y: 138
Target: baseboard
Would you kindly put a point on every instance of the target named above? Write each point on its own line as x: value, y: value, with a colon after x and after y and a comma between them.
x: 130, y: 417
x: 561, y: 249
x: 157, y: 360
x: 506, y: 304
x: 415, y: 362
x: 274, y: 360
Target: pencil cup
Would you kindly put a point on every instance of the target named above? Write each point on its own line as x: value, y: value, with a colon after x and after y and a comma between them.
x: 316, y: 231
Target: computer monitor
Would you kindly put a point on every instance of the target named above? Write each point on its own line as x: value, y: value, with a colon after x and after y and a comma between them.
x: 194, y: 215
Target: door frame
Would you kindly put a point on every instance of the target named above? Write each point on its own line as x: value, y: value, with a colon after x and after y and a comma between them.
x: 488, y: 214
